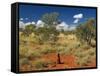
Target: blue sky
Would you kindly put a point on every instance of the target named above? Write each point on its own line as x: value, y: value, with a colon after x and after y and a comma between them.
x: 29, y: 13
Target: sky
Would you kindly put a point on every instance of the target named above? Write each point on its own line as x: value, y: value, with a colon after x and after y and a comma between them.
x: 69, y: 15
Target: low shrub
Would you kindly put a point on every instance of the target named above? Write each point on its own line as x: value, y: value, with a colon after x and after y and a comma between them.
x: 35, y: 54
x: 47, y: 50
x: 23, y: 61
x: 41, y: 64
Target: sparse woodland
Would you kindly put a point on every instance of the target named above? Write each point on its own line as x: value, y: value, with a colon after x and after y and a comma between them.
x: 46, y: 48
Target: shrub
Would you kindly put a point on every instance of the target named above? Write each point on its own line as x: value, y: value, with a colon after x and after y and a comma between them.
x: 23, y: 61
x: 63, y: 50
x: 84, y: 56
x: 35, y: 54
x: 23, y: 51
x: 83, y: 61
x: 41, y: 64
x: 46, y: 50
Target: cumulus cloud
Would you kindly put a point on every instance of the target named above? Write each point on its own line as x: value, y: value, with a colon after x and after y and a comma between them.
x: 62, y: 25
x: 21, y: 24
x: 21, y: 19
x: 40, y: 23
x: 72, y: 28
x: 28, y: 23
x: 77, y: 17
x: 33, y: 22
x: 76, y: 21
x: 65, y: 26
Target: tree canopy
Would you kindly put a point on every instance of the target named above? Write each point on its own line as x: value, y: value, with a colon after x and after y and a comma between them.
x: 49, y: 18
x: 87, y: 31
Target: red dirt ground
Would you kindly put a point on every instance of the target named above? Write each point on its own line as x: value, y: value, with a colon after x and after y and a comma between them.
x: 67, y: 61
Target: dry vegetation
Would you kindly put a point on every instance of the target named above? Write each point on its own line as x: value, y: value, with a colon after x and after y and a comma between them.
x: 73, y: 54
x: 47, y: 49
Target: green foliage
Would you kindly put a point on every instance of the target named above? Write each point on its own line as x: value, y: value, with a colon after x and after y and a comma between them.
x: 49, y: 18
x: 23, y: 51
x: 29, y: 29
x: 41, y: 64
x: 35, y: 54
x: 68, y: 32
x: 85, y: 54
x: 47, y: 34
x: 48, y: 50
x: 32, y: 53
x: 87, y: 31
x: 23, y: 61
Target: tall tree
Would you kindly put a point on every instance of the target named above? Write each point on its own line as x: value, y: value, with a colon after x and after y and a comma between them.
x: 87, y: 31
x: 49, y: 18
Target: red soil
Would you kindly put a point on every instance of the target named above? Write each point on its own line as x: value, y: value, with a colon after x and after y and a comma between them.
x: 67, y: 61
x: 70, y: 60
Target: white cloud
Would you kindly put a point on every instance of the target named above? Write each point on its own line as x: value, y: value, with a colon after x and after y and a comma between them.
x: 33, y: 22
x: 40, y: 23
x: 72, y: 28
x: 76, y: 21
x: 21, y: 24
x: 28, y: 23
x: 62, y: 25
x: 77, y: 17
x: 65, y: 26
x: 21, y: 19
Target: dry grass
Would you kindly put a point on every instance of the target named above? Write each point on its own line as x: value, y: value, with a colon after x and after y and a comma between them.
x: 30, y: 49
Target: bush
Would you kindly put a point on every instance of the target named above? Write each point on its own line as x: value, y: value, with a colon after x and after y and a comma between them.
x: 23, y: 61
x: 47, y: 49
x: 35, y: 54
x: 84, y: 55
x: 41, y: 64
x: 62, y: 50
x: 87, y: 31
x: 83, y: 61
x: 23, y: 50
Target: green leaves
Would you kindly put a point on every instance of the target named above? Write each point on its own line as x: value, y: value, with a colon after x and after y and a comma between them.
x: 49, y: 18
x: 47, y: 34
x: 29, y: 29
x: 87, y: 31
